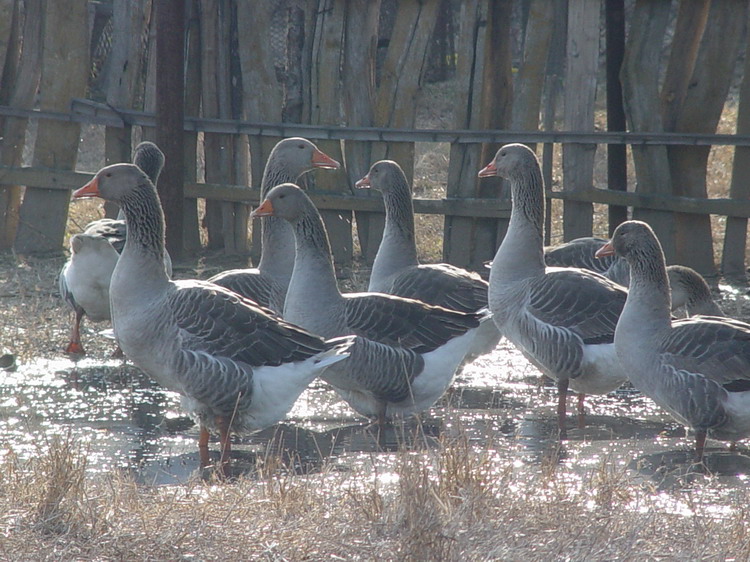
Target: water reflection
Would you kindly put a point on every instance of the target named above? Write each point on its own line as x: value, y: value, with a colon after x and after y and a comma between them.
x: 499, y: 404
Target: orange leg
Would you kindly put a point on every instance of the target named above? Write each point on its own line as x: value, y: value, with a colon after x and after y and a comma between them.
x: 225, y: 441
x: 75, y: 345
x: 700, y: 444
x: 203, y: 447
x: 581, y: 410
x: 562, y: 396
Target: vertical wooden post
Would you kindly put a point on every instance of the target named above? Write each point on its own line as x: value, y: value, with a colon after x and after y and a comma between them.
x: 193, y: 79
x: 19, y: 84
x: 700, y: 113
x: 640, y: 86
x: 484, y: 75
x: 170, y: 87
x: 65, y: 69
x: 578, y: 114
x: 358, y: 79
x: 325, y: 109
x: 617, y: 163
x: 263, y: 94
x: 129, y: 25
x: 735, y: 237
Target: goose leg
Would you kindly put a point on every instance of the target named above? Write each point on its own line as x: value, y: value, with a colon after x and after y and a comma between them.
x: 581, y: 410
x: 562, y: 396
x: 226, y: 444
x: 203, y: 447
x: 75, y: 345
x: 700, y: 445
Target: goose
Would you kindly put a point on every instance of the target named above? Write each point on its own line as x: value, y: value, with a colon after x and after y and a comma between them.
x: 405, y: 353
x: 397, y: 271
x: 267, y: 284
x: 580, y: 253
x: 236, y: 365
x: 562, y: 319
x: 83, y: 281
x: 697, y: 368
x: 690, y: 291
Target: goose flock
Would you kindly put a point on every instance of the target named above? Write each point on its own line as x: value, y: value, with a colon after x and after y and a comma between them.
x: 240, y: 347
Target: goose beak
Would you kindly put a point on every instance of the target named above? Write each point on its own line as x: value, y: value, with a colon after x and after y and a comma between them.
x: 322, y: 160
x: 91, y: 189
x: 264, y: 210
x: 364, y: 183
x: 488, y: 171
x: 606, y: 250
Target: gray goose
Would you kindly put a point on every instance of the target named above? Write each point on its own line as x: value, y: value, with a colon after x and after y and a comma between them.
x: 84, y: 279
x: 580, y: 253
x: 236, y: 366
x: 267, y: 284
x: 562, y: 319
x: 689, y: 289
x: 696, y: 368
x: 397, y: 271
x: 406, y: 352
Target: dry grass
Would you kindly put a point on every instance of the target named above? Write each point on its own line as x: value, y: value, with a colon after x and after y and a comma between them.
x: 458, y: 503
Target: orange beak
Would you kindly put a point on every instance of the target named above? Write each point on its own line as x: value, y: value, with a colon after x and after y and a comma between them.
x: 606, y: 250
x: 264, y: 210
x: 488, y: 171
x: 91, y: 189
x: 364, y: 182
x: 322, y: 160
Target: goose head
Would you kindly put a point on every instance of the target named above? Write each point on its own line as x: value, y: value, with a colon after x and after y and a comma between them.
x: 89, y: 243
x: 631, y: 240
x: 299, y: 155
x: 116, y: 182
x: 149, y: 158
x: 509, y: 161
x: 384, y: 176
x: 285, y: 201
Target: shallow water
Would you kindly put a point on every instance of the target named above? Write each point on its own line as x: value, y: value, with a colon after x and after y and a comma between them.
x: 499, y: 403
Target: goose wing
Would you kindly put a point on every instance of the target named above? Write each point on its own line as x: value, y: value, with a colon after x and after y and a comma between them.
x: 442, y: 285
x: 405, y: 322
x: 716, y: 347
x: 221, y: 323
x: 251, y: 284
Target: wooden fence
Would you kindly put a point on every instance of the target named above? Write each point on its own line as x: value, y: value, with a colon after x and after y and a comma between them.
x: 352, y: 70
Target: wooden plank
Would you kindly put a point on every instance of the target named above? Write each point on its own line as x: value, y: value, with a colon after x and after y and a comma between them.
x: 358, y: 81
x: 170, y: 107
x: 401, y: 77
x: 8, y: 21
x: 578, y: 115
x: 700, y: 112
x: 735, y: 236
x: 65, y: 55
x: 87, y: 111
x: 21, y: 76
x: 325, y: 79
x: 263, y: 99
x: 640, y: 82
x: 191, y: 227
x: 124, y: 69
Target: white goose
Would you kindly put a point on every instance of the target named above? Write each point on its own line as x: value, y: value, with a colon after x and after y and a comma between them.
x: 697, y: 368
x: 236, y: 366
x: 406, y: 352
x: 267, y: 284
x: 84, y: 279
x: 396, y: 269
x: 562, y: 319
x: 690, y: 291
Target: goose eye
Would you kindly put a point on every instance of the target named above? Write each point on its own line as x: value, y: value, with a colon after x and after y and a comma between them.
x: 301, y: 146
